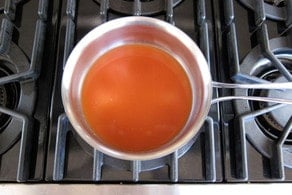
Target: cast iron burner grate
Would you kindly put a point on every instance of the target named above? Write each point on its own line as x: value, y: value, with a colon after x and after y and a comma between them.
x: 268, y: 61
x: 17, y: 95
x: 140, y: 7
x: 274, y: 9
x: 278, y: 3
x: 136, y: 167
x: 260, y: 122
x: 17, y: 91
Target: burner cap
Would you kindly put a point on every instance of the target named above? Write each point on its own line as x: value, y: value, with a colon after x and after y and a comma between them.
x: 148, y: 7
x: 280, y: 116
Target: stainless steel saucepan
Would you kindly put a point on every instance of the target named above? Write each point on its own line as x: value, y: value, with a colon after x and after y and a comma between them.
x: 137, y: 29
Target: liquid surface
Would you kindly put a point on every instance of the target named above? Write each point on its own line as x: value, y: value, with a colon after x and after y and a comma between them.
x: 136, y: 97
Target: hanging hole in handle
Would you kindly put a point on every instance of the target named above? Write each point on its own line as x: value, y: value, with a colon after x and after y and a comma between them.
x: 272, y: 86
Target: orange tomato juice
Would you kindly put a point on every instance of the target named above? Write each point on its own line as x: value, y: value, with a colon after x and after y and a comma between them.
x: 136, y: 97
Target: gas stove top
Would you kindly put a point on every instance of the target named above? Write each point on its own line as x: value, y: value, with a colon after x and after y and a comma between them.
x: 24, y: 106
x: 256, y: 49
x: 241, y: 141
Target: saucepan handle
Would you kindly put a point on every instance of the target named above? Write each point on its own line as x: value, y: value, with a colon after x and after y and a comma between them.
x: 272, y: 86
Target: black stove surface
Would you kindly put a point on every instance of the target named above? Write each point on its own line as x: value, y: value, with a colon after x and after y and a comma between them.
x: 243, y: 41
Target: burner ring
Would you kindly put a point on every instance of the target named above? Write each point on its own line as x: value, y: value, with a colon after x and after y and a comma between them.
x: 148, y: 7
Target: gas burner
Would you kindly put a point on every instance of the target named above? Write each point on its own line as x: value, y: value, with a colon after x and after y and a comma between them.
x: 265, y: 129
x: 16, y: 96
x: 148, y: 7
x: 274, y: 9
x: 280, y: 116
x: 9, y: 96
x: 273, y: 123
